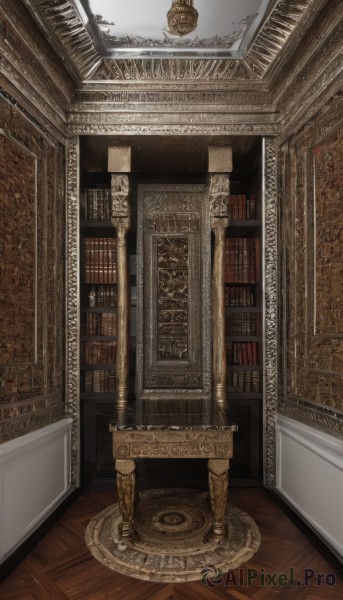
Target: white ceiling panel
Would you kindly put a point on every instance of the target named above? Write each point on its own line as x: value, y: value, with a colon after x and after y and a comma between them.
x: 139, y: 27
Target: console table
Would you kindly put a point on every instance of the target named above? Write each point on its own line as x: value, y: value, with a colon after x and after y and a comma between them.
x: 144, y: 431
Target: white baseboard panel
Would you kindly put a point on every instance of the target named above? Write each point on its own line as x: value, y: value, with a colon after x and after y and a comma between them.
x: 310, y: 477
x: 34, y: 480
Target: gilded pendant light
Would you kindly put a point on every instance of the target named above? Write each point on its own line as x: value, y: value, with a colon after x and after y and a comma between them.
x: 182, y: 17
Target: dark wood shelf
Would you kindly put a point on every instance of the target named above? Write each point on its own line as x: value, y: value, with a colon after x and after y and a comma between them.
x: 99, y: 309
x: 98, y: 338
x: 244, y: 367
x: 244, y: 395
x: 242, y: 309
x: 96, y: 223
x: 243, y: 338
x: 102, y: 396
x: 97, y: 367
x: 244, y: 223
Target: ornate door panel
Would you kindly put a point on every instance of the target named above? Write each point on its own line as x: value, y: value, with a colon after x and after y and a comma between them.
x: 174, y: 253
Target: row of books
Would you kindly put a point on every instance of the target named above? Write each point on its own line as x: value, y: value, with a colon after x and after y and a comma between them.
x: 242, y: 260
x: 97, y: 204
x: 100, y: 324
x: 243, y: 353
x: 243, y: 295
x: 103, y: 296
x: 99, y: 381
x: 242, y: 207
x: 100, y: 260
x: 100, y: 353
x: 242, y: 324
x: 244, y: 381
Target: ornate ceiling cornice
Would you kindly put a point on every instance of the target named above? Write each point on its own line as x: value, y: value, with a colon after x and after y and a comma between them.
x: 64, y: 25
x: 268, y: 44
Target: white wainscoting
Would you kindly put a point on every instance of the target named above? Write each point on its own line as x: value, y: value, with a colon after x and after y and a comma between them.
x: 34, y: 479
x: 310, y: 477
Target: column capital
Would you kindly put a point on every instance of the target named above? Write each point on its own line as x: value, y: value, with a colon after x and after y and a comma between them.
x: 219, y: 190
x: 120, y: 208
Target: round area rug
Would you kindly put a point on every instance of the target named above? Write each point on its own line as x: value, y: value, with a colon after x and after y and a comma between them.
x: 173, y: 540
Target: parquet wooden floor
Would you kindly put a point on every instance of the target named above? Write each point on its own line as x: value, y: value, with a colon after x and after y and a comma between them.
x: 60, y: 567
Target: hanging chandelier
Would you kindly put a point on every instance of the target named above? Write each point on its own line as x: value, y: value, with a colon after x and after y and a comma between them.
x: 182, y: 17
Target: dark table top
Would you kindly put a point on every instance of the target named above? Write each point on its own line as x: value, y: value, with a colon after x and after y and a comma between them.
x: 148, y: 415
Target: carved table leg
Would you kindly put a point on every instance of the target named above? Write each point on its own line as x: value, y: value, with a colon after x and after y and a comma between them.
x: 126, y: 485
x: 218, y: 486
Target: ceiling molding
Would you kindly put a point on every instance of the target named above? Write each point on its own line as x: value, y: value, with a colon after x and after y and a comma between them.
x: 64, y: 28
x: 63, y: 24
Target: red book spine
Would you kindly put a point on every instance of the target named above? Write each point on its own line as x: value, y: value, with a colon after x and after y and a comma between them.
x: 250, y: 353
x: 254, y: 353
x: 257, y: 260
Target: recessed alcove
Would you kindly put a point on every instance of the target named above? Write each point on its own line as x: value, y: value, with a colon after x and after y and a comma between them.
x: 182, y: 160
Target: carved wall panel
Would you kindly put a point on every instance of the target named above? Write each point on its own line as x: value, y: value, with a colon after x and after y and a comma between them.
x: 313, y: 235
x: 270, y: 308
x: 312, y: 77
x: 173, y: 295
x: 32, y: 301
x: 18, y: 173
x: 73, y: 303
x: 30, y: 70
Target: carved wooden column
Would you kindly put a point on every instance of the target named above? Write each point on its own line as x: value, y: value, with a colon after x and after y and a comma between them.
x: 126, y: 486
x: 218, y: 482
x: 119, y: 162
x: 220, y: 164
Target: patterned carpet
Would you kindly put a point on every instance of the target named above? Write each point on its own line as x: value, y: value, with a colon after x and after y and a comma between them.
x: 173, y: 540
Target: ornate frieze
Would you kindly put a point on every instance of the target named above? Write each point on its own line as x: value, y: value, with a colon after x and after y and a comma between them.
x: 94, y: 93
x: 173, y: 444
x: 157, y: 116
x: 234, y: 127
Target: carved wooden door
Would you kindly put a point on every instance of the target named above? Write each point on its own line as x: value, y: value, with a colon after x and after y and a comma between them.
x: 174, y: 307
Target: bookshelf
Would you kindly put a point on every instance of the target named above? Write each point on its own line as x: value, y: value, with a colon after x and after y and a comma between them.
x: 98, y: 312
x: 98, y: 327
x: 243, y: 329
x: 98, y: 324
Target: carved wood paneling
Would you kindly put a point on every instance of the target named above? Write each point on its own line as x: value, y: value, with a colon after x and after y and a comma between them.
x: 311, y: 78
x: 173, y: 443
x: 32, y: 196
x: 65, y: 27
x: 30, y: 70
x: 173, y: 343
x: 270, y: 342
x: 18, y: 275
x: 312, y: 234
x: 73, y: 303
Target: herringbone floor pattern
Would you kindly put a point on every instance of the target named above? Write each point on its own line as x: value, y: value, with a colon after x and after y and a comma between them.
x: 61, y: 568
